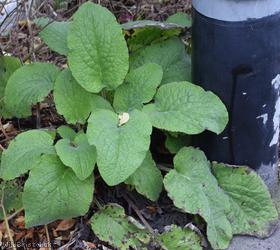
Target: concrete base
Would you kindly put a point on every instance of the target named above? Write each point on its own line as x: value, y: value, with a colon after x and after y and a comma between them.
x: 251, y: 243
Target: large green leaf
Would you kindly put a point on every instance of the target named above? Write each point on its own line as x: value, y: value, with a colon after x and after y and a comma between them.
x: 147, y: 179
x: 54, y: 34
x: 53, y: 192
x: 112, y: 225
x: 177, y: 238
x: 74, y: 102
x: 187, y: 108
x: 28, y: 85
x: 78, y: 155
x: 170, y: 55
x: 194, y: 189
x: 8, y: 65
x: 140, y: 87
x: 24, y: 152
x: 71, y: 100
x: 120, y: 148
x: 98, y: 55
x: 252, y: 210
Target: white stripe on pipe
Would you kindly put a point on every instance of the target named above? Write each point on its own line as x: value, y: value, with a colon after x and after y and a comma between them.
x: 237, y: 10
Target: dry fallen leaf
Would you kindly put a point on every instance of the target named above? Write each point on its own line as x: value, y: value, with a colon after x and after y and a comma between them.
x: 6, y: 235
x: 30, y: 233
x: 8, y: 127
x: 19, y: 222
x: 44, y: 105
x: 89, y: 245
x: 2, y: 227
x: 65, y: 225
x: 55, y: 234
x: 123, y: 118
x: 19, y: 235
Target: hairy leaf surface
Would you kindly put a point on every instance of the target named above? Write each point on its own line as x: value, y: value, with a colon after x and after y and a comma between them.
x: 140, y: 87
x: 98, y: 102
x: 112, y: 225
x: 54, y: 34
x: 120, y: 149
x: 252, y: 210
x: 98, y: 55
x: 180, y: 18
x: 24, y: 152
x: 28, y: 85
x: 66, y: 132
x: 78, y: 155
x: 71, y: 100
x: 8, y: 65
x: 187, y: 108
x: 11, y: 196
x: 179, y: 239
x: 147, y: 179
x: 53, y: 192
x: 144, y: 37
x: 194, y: 189
x: 170, y: 55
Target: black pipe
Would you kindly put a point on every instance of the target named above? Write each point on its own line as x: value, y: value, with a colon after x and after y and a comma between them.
x: 240, y: 62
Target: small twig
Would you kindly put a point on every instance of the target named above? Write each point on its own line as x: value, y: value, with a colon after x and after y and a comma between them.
x: 28, y: 7
x: 97, y: 203
x: 28, y: 56
x: 67, y: 245
x: 10, y: 14
x: 2, y: 148
x: 6, y: 220
x: 137, y: 211
x: 48, y: 237
x: 15, y: 213
x: 197, y: 230
x: 3, y: 129
x: 3, y: 5
x: 73, y: 239
x: 8, y: 227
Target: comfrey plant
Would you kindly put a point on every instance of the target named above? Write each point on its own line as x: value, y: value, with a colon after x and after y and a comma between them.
x: 117, y: 90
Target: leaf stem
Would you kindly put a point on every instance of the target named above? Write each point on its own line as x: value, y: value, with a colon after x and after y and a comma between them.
x: 97, y: 203
x: 38, y: 118
x: 164, y: 168
x: 136, y: 210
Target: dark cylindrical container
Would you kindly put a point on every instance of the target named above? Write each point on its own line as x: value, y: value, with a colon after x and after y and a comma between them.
x: 236, y: 54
